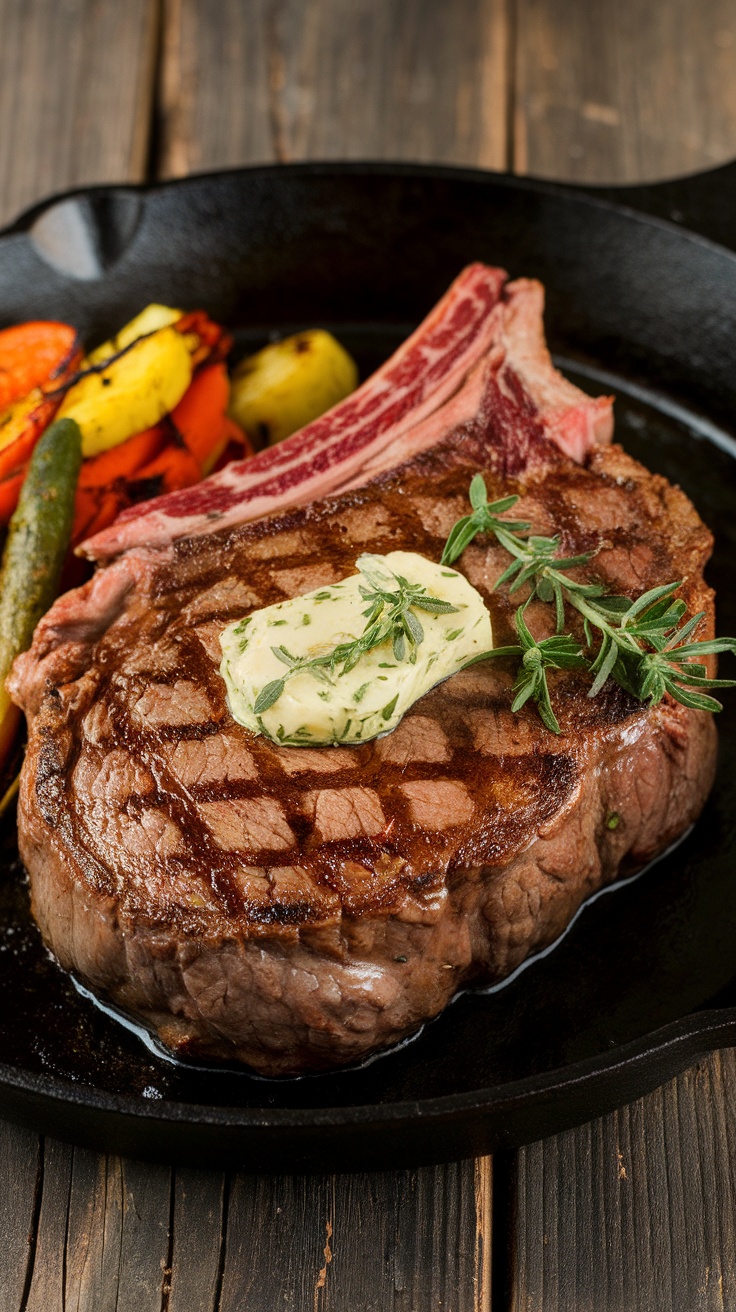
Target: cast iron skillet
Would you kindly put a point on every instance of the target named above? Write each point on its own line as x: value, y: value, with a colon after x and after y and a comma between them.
x: 645, y: 981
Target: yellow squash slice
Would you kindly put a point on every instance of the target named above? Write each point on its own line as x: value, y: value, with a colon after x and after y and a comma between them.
x: 131, y: 393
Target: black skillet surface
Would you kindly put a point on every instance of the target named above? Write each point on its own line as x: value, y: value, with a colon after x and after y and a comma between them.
x: 645, y: 981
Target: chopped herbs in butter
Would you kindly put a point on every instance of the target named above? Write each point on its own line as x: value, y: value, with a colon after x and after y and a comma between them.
x: 321, y: 680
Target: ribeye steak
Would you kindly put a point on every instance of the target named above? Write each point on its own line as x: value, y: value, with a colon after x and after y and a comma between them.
x: 296, y: 909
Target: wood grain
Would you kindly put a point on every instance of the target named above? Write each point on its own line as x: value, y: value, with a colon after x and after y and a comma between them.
x: 328, y: 79
x: 102, y: 1236
x: 197, y: 1240
x: 46, y: 1275
x: 76, y: 89
x: 622, y: 92
x: 636, y: 1210
x: 400, y: 1241
x: 111, y: 1235
x: 21, y: 1181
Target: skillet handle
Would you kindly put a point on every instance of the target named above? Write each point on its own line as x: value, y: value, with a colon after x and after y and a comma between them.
x: 703, y: 202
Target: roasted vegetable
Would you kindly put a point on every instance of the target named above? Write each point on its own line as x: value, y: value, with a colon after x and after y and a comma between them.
x: 173, y: 469
x: 112, y: 402
x: 35, y: 361
x: 21, y: 425
x: 172, y: 454
x: 102, y: 486
x: 201, y: 417
x: 289, y: 383
x: 37, y: 543
x: 207, y: 340
x: 152, y: 403
x: 150, y: 320
x: 32, y: 354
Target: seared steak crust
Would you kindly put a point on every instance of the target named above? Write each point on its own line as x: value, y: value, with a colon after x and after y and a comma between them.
x: 296, y: 909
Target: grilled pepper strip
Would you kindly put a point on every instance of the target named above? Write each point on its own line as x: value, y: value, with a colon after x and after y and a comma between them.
x: 38, y: 540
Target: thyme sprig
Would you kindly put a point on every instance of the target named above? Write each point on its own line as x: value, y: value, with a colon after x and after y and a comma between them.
x: 389, y: 617
x: 641, y: 644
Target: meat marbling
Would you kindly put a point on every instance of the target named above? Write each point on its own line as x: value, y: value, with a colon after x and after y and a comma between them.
x: 297, y: 909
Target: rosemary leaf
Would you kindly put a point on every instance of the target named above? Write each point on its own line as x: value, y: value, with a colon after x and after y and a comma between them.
x: 642, y: 643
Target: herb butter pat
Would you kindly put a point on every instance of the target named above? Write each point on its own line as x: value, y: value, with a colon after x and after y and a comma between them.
x: 344, y: 663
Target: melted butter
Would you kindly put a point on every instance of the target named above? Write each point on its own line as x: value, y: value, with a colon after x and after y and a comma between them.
x: 372, y: 697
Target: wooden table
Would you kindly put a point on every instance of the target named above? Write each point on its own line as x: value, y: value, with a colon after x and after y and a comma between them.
x: 634, y: 1211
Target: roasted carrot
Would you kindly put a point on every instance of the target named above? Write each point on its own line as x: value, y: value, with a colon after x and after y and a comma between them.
x: 110, y: 487
x: 32, y: 354
x: 201, y: 414
x: 94, y: 509
x: 233, y: 445
x: 174, y: 468
x: 123, y: 461
x: 214, y: 343
x: 86, y: 506
x: 9, y: 493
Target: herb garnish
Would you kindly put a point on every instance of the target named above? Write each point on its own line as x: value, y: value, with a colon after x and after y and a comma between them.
x: 642, y: 645
x: 389, y: 617
x: 560, y: 652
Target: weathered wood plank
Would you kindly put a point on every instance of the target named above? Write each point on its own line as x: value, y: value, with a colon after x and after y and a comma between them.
x: 200, y: 1202
x: 117, y: 1240
x: 76, y: 87
x: 102, y: 1238
x: 388, y: 1242
x: 21, y: 1174
x: 94, y: 1233
x: 145, y: 1240
x: 623, y: 92
x: 46, y: 1288
x: 328, y: 79
x: 636, y: 1210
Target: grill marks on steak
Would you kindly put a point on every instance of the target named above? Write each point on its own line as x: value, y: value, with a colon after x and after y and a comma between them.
x: 299, y: 908
x: 160, y: 772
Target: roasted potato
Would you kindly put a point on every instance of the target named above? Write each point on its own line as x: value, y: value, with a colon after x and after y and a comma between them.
x: 131, y: 393
x: 289, y: 383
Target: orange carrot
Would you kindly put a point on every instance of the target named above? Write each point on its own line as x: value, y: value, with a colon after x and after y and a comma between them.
x: 174, y: 468
x: 238, y: 435
x: 86, y: 505
x: 9, y: 493
x: 94, y: 509
x: 233, y: 445
x: 201, y: 414
x: 122, y: 461
x: 32, y: 354
x: 214, y: 343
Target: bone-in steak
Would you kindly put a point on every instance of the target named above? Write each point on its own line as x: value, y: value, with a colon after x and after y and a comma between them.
x: 297, y: 909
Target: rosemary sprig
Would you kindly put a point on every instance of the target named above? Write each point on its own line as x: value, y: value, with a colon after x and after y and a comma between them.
x: 389, y: 617
x: 560, y: 652
x: 643, y: 647
x: 484, y: 519
x: 642, y: 644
